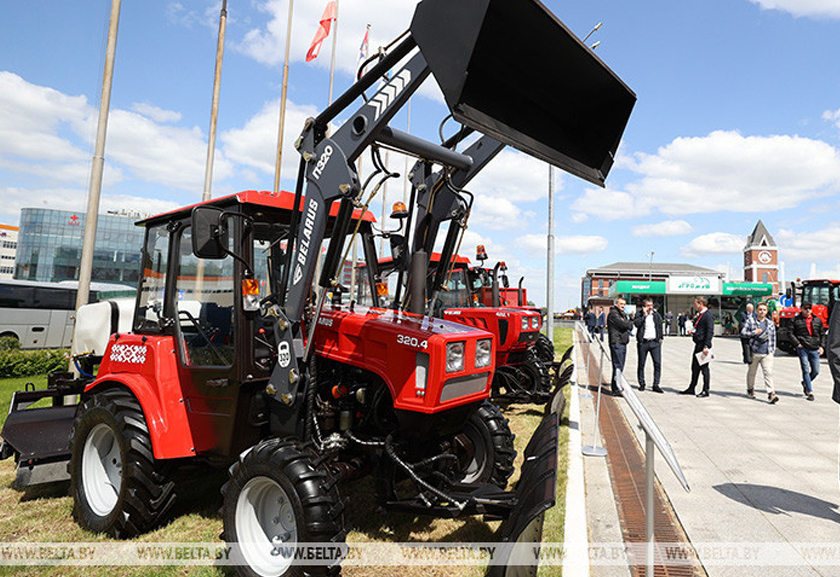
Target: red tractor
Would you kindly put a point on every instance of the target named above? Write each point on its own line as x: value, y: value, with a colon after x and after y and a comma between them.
x: 232, y: 359
x: 821, y: 293
x: 496, y: 291
x: 520, y: 375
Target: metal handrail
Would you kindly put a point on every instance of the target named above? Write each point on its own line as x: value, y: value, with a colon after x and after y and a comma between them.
x: 653, y: 438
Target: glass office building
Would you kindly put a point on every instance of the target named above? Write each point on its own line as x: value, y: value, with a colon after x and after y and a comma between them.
x: 50, y: 246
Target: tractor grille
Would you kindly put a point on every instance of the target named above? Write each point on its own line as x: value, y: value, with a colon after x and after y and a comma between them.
x: 463, y: 386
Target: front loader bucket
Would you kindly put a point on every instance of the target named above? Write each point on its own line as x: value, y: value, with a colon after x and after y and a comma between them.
x: 512, y: 70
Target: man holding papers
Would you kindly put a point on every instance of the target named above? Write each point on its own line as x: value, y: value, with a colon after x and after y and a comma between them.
x: 704, y: 330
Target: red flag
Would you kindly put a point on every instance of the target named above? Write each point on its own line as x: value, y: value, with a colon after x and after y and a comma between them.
x: 322, y: 32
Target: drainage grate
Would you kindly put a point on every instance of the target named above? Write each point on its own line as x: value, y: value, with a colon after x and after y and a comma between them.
x: 626, y: 465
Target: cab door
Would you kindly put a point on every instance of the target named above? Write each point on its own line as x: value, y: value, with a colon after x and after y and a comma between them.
x: 204, y: 294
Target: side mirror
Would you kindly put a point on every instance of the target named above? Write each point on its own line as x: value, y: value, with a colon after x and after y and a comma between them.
x: 209, y: 233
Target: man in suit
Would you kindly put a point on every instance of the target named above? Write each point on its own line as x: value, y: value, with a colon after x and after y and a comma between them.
x: 648, y: 340
x: 704, y: 330
x: 746, y: 351
x: 602, y: 323
x: 619, y: 326
x: 591, y: 321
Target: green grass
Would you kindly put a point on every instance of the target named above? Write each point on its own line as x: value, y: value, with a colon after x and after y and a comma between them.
x: 45, y: 515
x: 9, y: 386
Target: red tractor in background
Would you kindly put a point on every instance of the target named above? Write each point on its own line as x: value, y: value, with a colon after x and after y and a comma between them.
x: 821, y: 293
x: 520, y: 375
x: 297, y: 394
x: 496, y: 291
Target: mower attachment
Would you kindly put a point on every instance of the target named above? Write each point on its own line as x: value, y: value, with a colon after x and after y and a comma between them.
x: 40, y: 438
x: 498, y: 63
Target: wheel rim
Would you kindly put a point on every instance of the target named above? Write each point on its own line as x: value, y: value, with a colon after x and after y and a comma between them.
x: 102, y: 469
x: 474, y: 470
x: 264, y: 520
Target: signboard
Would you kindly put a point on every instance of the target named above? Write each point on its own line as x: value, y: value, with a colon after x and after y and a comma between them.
x: 696, y: 285
x: 747, y: 289
x: 637, y: 287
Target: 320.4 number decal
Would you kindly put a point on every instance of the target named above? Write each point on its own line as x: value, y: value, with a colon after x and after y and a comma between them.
x: 412, y: 342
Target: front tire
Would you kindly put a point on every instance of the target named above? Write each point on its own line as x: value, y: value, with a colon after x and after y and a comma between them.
x: 535, y: 375
x: 280, y: 494
x: 117, y: 485
x: 544, y: 348
x: 490, y: 459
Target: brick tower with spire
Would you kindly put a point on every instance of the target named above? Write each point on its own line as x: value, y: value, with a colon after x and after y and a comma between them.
x: 761, y: 257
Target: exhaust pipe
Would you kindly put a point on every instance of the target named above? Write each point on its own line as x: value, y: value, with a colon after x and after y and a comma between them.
x: 419, y: 262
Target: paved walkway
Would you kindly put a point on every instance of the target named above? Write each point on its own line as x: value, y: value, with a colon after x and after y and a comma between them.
x: 764, y: 478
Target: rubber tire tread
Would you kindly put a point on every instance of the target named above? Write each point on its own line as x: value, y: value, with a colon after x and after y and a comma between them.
x: 536, y: 377
x: 314, y: 487
x: 544, y: 348
x: 489, y: 419
x: 147, y: 492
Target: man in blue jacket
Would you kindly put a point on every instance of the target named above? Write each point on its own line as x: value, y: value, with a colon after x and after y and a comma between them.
x: 704, y: 330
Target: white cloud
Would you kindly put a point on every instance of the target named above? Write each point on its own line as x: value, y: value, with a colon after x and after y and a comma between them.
x: 816, y: 245
x: 664, y: 228
x: 608, y: 204
x: 574, y: 244
x: 715, y: 243
x: 727, y: 171
x: 579, y: 217
x: 155, y: 113
x: 255, y: 144
x: 32, y: 119
x: 169, y: 155
x: 515, y: 176
x: 813, y: 8
x: 832, y: 116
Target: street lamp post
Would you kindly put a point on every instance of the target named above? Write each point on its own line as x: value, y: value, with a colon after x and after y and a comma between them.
x: 650, y: 266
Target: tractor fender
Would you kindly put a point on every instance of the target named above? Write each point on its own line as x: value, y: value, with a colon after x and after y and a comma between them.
x: 154, y: 383
x: 169, y: 428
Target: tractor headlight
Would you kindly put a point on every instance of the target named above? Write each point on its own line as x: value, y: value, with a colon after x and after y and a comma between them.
x: 483, y: 350
x: 535, y: 323
x: 455, y: 357
x: 524, y: 323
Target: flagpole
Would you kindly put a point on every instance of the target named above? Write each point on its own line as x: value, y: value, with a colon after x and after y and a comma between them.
x: 332, y: 61
x: 283, y: 100
x: 362, y: 58
x: 86, y: 265
x: 214, y: 108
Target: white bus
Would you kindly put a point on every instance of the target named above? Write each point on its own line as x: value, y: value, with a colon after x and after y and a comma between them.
x: 40, y: 314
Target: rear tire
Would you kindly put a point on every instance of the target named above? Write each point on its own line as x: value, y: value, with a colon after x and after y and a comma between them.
x: 544, y: 348
x: 491, y: 460
x: 281, y: 491
x: 117, y: 485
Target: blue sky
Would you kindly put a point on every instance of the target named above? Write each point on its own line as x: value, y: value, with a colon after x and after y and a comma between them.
x: 738, y: 118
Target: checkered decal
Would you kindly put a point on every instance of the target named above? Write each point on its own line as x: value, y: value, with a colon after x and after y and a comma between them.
x: 128, y: 354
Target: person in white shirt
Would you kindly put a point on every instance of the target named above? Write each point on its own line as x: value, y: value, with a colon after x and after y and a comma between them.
x: 649, y: 340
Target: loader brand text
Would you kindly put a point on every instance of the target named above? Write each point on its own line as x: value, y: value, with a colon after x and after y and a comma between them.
x: 322, y: 162
x: 308, y: 229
